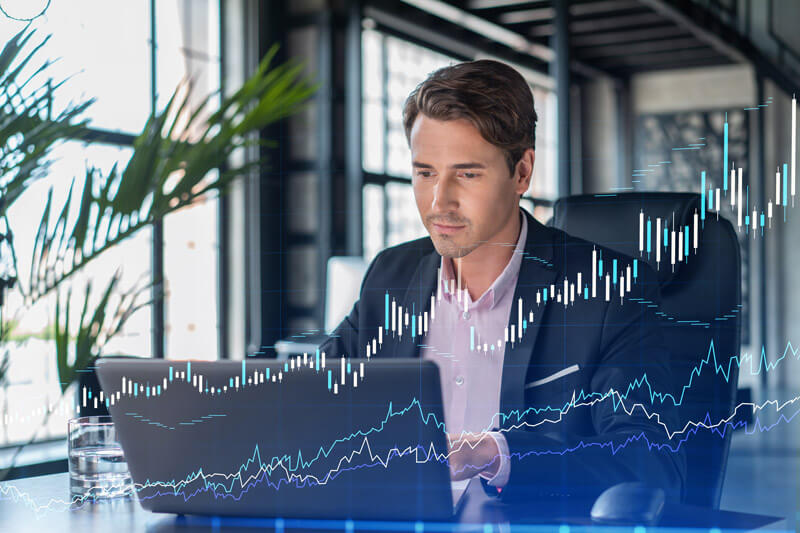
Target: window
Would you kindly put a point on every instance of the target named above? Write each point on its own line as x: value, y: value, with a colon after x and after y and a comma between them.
x: 392, y: 68
x: 187, y: 37
x: 107, y: 50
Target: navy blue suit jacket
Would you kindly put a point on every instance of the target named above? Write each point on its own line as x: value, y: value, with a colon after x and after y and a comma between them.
x: 556, y: 449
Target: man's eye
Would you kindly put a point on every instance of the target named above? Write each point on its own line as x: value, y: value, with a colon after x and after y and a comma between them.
x: 423, y: 174
x: 469, y: 175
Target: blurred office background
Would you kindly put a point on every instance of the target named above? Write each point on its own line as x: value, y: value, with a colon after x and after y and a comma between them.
x: 617, y: 85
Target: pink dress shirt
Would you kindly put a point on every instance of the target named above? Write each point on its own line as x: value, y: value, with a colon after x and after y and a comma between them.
x: 467, y: 342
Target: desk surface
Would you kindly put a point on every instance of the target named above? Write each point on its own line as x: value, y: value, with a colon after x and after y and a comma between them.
x: 42, y: 504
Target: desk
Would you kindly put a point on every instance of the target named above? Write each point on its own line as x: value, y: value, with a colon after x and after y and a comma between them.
x: 18, y: 499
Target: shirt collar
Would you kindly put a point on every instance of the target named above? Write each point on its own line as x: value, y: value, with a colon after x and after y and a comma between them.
x: 501, y: 284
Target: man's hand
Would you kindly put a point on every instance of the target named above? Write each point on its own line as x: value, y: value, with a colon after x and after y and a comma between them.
x: 471, y: 455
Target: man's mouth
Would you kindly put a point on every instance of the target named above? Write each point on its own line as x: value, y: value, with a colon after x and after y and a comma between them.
x: 447, y: 229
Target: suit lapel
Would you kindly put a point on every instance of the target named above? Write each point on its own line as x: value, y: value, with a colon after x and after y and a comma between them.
x: 538, y: 269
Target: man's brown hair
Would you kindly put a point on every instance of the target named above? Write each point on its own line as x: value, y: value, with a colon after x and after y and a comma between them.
x: 494, y: 97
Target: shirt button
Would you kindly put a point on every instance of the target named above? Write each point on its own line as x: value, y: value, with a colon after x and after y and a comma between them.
x: 465, y: 315
x: 460, y: 380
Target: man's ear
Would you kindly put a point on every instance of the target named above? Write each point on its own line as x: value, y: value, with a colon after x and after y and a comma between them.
x: 523, y: 171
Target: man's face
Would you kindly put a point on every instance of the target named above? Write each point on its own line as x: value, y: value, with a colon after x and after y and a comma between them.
x: 462, y: 185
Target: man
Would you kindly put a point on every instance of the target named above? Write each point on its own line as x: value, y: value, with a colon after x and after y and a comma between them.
x: 547, y: 409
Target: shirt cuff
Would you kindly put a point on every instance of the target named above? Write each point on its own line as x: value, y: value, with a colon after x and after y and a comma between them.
x: 504, y: 470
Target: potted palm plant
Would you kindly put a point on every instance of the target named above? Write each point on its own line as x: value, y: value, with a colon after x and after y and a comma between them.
x: 170, y: 168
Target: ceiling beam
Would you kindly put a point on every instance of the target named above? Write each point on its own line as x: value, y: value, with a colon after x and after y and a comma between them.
x: 492, y: 4
x: 527, y: 15
x: 673, y: 57
x: 594, y: 25
x: 618, y: 37
x: 499, y: 34
x: 675, y: 14
x: 645, y: 47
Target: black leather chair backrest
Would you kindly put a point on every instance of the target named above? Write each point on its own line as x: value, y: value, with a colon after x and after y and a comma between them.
x: 701, y: 304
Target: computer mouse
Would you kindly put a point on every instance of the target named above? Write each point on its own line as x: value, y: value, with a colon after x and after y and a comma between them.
x: 631, y: 503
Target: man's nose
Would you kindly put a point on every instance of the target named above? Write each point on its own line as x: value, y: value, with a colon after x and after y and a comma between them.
x: 445, y: 196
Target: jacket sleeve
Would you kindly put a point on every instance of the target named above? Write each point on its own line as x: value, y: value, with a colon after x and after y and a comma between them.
x: 629, y: 443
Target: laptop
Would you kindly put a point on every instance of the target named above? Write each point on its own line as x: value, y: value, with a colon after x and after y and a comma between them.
x: 305, y: 438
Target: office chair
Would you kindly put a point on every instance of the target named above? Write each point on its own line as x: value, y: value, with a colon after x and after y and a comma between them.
x: 701, y: 302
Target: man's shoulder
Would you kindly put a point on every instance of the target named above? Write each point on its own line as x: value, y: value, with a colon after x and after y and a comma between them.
x: 574, y: 248
x: 397, y: 264
x: 575, y: 254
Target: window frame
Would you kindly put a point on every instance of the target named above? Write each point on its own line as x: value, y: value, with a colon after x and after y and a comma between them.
x: 50, y: 447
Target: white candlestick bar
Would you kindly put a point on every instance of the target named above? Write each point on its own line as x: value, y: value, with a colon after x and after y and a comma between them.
x: 658, y: 242
x: 739, y: 193
x: 641, y: 232
x: 778, y: 188
x: 794, y: 142
x: 594, y: 275
x: 400, y: 320
x: 695, y: 230
x: 608, y: 287
x: 672, y: 249
x: 459, y: 275
x: 733, y: 187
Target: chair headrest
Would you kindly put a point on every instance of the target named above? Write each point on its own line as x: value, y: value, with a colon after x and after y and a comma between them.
x: 603, y: 218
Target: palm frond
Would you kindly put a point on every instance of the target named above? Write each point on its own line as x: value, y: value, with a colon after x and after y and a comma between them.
x: 166, y: 172
x: 95, y: 327
x: 27, y: 128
